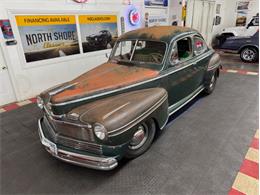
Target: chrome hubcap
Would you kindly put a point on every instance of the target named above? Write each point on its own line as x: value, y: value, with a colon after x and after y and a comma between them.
x: 212, y: 81
x: 248, y: 55
x: 139, y: 137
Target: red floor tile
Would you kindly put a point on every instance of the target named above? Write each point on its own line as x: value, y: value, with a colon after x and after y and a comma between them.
x: 235, y: 192
x: 255, y: 143
x: 33, y: 100
x: 10, y: 107
x: 250, y: 168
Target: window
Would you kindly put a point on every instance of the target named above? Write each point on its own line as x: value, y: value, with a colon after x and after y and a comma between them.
x: 181, y: 51
x: 139, y: 52
x: 255, y: 21
x: 199, y: 45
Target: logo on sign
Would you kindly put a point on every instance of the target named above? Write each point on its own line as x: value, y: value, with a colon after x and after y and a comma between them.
x: 134, y: 17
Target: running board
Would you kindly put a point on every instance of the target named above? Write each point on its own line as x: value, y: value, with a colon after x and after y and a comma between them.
x: 172, y: 109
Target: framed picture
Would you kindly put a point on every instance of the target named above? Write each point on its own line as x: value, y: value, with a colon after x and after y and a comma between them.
x: 242, y: 5
x: 98, y: 32
x: 241, y: 18
x: 156, y: 3
x: 218, y: 7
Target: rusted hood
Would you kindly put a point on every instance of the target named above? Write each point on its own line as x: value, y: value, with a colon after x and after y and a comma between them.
x: 105, y: 77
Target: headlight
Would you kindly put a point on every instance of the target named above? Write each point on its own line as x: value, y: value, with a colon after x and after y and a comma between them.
x: 40, y: 102
x: 100, y: 131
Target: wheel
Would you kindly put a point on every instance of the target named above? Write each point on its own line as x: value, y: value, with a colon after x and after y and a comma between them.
x: 249, y: 54
x: 211, y: 85
x: 142, y: 139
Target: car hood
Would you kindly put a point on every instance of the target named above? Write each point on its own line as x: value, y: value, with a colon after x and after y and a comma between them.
x: 238, y: 31
x: 108, y: 76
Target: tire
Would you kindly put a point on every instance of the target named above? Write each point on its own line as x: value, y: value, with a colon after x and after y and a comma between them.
x: 209, y: 88
x: 134, y: 150
x: 249, y: 54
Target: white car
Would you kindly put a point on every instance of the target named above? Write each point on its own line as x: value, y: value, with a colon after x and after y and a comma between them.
x: 249, y: 30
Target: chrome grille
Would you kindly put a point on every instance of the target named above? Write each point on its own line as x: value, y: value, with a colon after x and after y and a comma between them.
x: 72, y: 136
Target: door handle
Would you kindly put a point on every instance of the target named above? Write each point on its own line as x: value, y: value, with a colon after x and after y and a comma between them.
x: 4, y: 68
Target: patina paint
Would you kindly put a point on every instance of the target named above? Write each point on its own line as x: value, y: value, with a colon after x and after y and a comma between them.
x: 162, y: 33
x: 105, y: 77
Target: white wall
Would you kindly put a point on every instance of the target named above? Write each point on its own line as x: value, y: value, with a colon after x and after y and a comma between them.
x: 227, y: 12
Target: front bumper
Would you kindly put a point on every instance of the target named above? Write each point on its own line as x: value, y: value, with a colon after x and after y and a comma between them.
x: 94, y: 162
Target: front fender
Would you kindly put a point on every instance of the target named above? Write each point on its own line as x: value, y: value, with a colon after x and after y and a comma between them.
x: 121, y: 114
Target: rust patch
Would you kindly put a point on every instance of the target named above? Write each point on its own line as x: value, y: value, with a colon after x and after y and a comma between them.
x: 105, y: 77
x: 156, y: 32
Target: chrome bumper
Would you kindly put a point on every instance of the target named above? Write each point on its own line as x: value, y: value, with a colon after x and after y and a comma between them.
x: 100, y: 163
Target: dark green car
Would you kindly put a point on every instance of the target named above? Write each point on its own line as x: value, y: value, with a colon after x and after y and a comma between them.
x: 114, y: 110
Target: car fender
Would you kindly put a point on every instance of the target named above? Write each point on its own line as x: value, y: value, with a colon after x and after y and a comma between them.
x: 121, y: 114
x: 248, y: 45
x: 212, y: 68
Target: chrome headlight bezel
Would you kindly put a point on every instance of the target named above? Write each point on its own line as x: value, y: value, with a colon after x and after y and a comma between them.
x: 40, y: 102
x: 100, y: 131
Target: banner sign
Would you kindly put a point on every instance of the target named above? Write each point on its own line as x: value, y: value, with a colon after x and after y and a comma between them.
x: 48, y: 36
x: 98, y: 32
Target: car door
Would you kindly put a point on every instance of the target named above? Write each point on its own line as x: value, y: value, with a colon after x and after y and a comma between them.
x: 201, y: 59
x: 181, y: 72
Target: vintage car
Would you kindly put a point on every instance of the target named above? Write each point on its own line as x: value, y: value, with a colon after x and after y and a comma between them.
x: 100, y: 40
x: 114, y: 110
x: 246, y: 46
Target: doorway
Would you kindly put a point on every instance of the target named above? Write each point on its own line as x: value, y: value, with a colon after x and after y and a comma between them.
x: 201, y: 15
x: 7, y: 94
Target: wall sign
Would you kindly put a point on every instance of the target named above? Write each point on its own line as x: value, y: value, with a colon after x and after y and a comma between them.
x: 157, y: 20
x: 48, y: 36
x: 156, y: 3
x: 134, y: 17
x: 98, y: 32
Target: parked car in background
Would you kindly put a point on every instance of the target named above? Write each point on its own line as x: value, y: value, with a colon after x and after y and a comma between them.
x: 114, y: 111
x: 247, y: 47
x: 249, y: 30
x: 100, y: 40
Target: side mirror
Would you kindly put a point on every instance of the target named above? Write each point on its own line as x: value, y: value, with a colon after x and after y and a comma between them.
x: 107, y: 55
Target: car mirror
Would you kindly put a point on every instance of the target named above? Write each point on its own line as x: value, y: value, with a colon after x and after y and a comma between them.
x: 107, y: 55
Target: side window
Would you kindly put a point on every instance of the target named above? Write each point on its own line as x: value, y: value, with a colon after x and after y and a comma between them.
x: 199, y: 45
x: 255, y: 21
x: 174, y: 58
x: 181, y: 51
x: 124, y: 50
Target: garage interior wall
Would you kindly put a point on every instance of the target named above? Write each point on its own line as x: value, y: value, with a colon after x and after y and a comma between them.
x: 196, y: 17
x: 29, y: 79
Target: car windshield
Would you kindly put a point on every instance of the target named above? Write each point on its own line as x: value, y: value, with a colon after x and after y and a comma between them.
x: 139, y: 52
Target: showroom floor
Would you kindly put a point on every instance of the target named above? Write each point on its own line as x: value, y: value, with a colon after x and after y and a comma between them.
x: 199, y: 152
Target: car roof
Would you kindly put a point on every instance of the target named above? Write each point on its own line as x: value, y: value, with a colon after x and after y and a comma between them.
x: 156, y: 33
